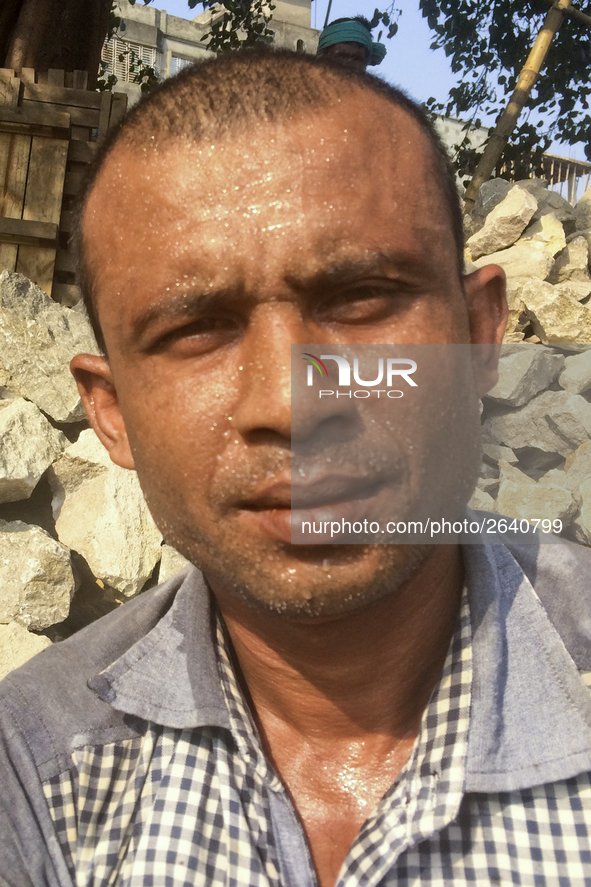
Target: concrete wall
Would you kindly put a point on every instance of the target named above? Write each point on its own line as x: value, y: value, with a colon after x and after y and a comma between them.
x: 452, y: 132
x: 296, y: 12
x: 179, y: 38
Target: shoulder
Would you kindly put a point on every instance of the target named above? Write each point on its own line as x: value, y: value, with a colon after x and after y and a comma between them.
x: 47, y: 702
x: 560, y: 573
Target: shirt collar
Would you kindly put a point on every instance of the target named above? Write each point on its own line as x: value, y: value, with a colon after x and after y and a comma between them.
x: 170, y: 676
x: 531, y: 712
x: 530, y: 720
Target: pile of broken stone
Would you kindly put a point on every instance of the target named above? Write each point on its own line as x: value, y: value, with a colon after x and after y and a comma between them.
x: 537, y: 419
x: 76, y: 537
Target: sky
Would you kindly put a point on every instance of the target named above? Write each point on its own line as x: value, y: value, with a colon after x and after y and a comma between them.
x: 410, y: 62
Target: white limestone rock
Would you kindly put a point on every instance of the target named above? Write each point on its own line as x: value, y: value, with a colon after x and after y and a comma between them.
x: 581, y: 525
x: 583, y: 211
x: 578, y: 467
x: 504, y: 224
x: 548, y: 231
x: 488, y: 471
x: 574, y: 289
x: 586, y: 234
x: 495, y: 453
x: 508, y: 472
x: 101, y: 513
x: 38, y: 338
x: 553, y: 421
x: 172, y: 562
x: 517, y: 319
x: 17, y: 646
x: 28, y: 446
x: 556, y: 477
x: 550, y: 202
x: 488, y: 485
x: 524, y: 374
x: 472, y: 224
x: 521, y: 260
x: 481, y: 501
x: 36, y: 579
x: 556, y: 317
x: 572, y: 263
x: 576, y: 375
x: 520, y: 497
x: 491, y: 193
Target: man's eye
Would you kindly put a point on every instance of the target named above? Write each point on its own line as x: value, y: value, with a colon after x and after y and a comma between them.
x: 199, y: 336
x: 366, y: 305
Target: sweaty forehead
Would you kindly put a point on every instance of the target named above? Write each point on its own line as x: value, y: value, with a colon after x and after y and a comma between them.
x: 318, y: 174
x: 362, y: 134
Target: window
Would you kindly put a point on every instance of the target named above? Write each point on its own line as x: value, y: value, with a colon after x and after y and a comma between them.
x: 122, y: 57
x: 177, y: 64
x: 300, y: 46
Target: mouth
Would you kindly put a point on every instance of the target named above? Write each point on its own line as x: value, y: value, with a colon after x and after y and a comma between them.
x: 282, y: 509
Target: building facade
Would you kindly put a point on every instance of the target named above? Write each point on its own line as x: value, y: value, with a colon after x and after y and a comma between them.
x: 168, y: 43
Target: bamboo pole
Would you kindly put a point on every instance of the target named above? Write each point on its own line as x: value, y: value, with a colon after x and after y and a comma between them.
x: 527, y: 78
x: 574, y: 14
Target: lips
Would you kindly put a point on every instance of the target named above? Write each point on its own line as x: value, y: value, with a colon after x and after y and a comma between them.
x: 280, y: 509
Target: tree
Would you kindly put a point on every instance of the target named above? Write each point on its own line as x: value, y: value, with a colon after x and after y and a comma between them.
x: 69, y: 34
x: 488, y: 42
x: 45, y: 34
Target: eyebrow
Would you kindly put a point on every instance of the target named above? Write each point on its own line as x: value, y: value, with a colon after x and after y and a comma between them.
x: 190, y: 304
x: 181, y: 305
x: 353, y: 267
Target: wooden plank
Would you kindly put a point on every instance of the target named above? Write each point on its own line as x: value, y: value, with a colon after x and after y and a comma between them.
x: 81, y: 152
x: 17, y: 151
x: 43, y: 202
x: 43, y: 197
x: 104, y: 116
x: 78, y: 116
x: 74, y: 182
x: 67, y: 294
x: 28, y: 232
x: 55, y: 95
x: 80, y: 80
x: 28, y: 75
x: 56, y: 77
x: 118, y: 108
x: 67, y: 221
x: 36, y: 120
x: 81, y: 133
x: 14, y: 162
x: 9, y: 87
x: 65, y: 261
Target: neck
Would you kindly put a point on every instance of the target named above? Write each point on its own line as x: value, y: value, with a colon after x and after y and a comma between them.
x: 367, y: 673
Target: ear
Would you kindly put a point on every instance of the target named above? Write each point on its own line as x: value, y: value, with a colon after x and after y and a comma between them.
x: 99, y: 397
x: 486, y: 297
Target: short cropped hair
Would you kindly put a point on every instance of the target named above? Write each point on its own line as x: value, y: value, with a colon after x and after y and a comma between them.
x: 240, y: 90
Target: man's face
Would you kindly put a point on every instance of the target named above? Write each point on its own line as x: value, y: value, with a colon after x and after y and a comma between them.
x: 352, y: 54
x: 210, y: 260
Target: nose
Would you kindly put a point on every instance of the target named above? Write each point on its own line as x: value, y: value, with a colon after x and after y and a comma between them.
x: 273, y: 405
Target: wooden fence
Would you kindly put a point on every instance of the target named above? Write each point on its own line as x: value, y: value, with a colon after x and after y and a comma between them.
x: 49, y: 133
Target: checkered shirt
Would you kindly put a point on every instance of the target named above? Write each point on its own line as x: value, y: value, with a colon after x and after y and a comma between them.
x: 179, y: 808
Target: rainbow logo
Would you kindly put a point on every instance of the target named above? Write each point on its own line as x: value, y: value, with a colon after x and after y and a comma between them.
x: 314, y: 361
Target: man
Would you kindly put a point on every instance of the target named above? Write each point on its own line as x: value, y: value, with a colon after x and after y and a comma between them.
x: 349, y: 41
x: 293, y: 715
